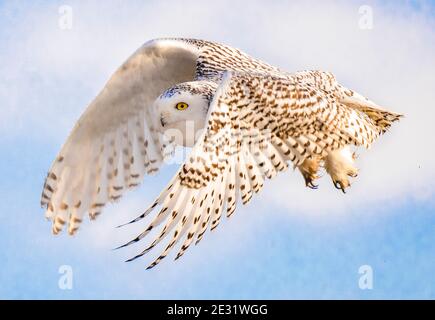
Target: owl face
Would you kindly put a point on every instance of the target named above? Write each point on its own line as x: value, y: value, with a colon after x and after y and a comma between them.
x: 181, y: 115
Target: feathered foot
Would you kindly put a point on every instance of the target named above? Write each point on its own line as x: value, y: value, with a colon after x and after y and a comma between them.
x: 309, y: 169
x: 339, y: 165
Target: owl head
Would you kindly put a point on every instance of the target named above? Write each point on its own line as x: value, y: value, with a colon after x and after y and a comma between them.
x: 181, y: 110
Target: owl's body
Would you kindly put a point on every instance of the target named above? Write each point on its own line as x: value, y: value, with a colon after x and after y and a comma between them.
x: 246, y: 121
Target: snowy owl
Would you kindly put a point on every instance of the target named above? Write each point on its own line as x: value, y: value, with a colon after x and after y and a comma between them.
x: 244, y: 119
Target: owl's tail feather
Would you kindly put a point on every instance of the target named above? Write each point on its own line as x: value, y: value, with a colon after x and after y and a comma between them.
x: 383, y: 119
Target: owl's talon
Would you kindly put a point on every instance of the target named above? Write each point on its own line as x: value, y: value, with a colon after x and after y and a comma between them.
x: 309, y: 181
x: 339, y: 164
x: 309, y: 170
x: 353, y: 174
x: 340, y: 186
x: 311, y: 185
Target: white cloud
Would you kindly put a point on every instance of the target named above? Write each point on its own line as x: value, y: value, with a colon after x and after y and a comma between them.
x: 50, y: 74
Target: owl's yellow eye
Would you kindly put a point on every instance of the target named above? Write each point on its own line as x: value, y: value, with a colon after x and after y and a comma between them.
x: 181, y: 106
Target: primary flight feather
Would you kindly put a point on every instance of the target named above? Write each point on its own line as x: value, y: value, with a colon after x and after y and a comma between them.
x: 246, y: 121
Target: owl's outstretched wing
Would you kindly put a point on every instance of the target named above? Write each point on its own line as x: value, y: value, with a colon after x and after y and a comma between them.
x: 115, y: 142
x: 256, y: 126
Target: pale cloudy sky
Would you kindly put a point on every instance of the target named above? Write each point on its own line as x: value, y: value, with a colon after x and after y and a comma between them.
x: 290, y: 242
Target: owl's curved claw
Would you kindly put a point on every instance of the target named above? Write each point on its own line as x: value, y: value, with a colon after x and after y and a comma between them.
x: 311, y: 185
x: 340, y: 186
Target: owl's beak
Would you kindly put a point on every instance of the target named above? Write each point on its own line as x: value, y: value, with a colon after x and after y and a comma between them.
x: 162, y: 121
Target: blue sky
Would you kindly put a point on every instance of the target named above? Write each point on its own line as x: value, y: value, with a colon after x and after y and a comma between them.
x: 290, y: 242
